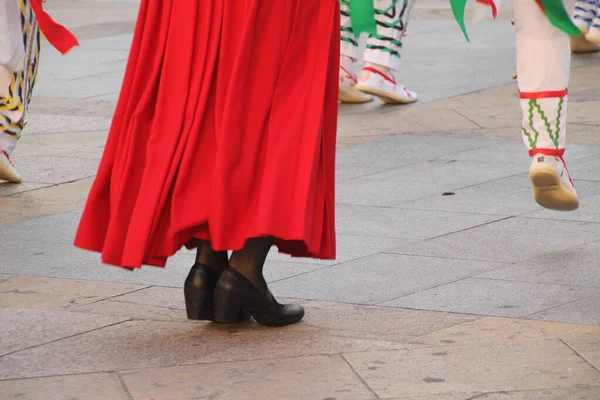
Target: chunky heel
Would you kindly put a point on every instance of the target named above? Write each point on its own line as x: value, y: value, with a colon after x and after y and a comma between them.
x: 235, y: 295
x: 198, y: 304
x: 227, y: 308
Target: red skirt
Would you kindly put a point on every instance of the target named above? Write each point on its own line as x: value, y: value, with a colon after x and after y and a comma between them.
x: 225, y: 130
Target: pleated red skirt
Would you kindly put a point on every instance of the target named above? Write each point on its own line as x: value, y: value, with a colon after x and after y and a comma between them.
x: 225, y: 130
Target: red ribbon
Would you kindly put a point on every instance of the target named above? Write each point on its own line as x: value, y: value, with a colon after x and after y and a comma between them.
x: 58, y: 36
x: 491, y: 4
x: 544, y: 95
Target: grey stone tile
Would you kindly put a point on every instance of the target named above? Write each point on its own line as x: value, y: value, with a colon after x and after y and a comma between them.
x: 344, y: 173
x: 9, y: 189
x: 499, y: 151
x: 38, y: 123
x: 584, y: 311
x: 415, y: 181
x: 575, y: 267
x: 23, y: 291
x: 25, y: 328
x: 149, y: 344
x: 589, y: 207
x: 588, y: 349
x: 586, y: 169
x: 508, y: 196
x: 316, y: 377
x: 63, y: 260
x: 53, y: 169
x: 510, y: 240
x: 398, y: 150
x: 485, y: 368
x: 349, y: 247
x: 383, y: 323
x: 489, y: 330
x: 89, y: 387
x: 493, y: 297
x: 378, y: 278
x: 404, y: 223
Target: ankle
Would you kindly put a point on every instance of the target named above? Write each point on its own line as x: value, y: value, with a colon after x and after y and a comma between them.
x: 380, y: 68
x: 256, y: 278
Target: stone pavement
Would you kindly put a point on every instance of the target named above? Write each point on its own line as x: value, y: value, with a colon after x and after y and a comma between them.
x: 451, y: 284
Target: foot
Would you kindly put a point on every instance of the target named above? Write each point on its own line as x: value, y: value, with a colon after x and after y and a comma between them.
x: 8, y: 172
x: 383, y: 85
x: 234, y: 293
x: 593, y: 35
x: 348, y: 92
x: 199, y: 292
x: 579, y: 44
x: 552, y: 184
x: 584, y: 15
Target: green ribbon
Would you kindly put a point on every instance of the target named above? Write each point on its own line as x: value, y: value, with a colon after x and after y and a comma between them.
x: 458, y: 9
x: 362, y: 15
x: 558, y: 16
x: 554, y: 9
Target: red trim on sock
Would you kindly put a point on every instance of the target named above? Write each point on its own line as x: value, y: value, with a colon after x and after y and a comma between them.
x: 544, y: 95
x: 556, y: 153
x: 491, y: 4
x: 378, y: 72
x: 349, y: 74
x: 547, y: 152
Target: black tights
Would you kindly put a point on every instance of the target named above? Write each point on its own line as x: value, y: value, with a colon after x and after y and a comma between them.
x: 248, y: 261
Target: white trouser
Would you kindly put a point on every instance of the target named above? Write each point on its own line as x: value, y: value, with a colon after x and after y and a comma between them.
x: 543, y: 66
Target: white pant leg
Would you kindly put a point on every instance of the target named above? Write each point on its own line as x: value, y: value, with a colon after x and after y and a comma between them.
x: 543, y: 66
x: 349, y: 44
x: 392, y: 18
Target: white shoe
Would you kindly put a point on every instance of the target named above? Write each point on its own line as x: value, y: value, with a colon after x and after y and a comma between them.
x: 552, y: 184
x: 376, y: 83
x: 8, y: 172
x: 348, y: 92
x: 593, y: 35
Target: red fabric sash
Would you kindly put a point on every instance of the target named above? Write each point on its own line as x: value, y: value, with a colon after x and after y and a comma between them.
x: 57, y: 35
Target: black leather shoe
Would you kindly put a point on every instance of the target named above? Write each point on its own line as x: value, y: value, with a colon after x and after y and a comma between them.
x: 234, y: 294
x: 198, y: 291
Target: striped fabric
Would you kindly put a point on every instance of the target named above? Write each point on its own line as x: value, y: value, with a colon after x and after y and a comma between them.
x: 385, y: 46
x: 14, y: 106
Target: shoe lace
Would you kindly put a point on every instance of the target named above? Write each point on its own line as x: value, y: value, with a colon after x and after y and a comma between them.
x: 349, y: 74
x: 559, y: 153
x: 7, y: 157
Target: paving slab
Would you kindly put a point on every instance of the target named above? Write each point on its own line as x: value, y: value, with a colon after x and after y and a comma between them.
x: 405, y: 223
x: 589, y: 207
x: 574, y: 267
x: 149, y: 344
x: 517, y: 366
x: 584, y: 311
x: 384, y: 323
x: 488, y: 330
x: 397, y: 150
x: 350, y: 247
x: 51, y: 293
x: 316, y: 377
x: 588, y: 350
x: 510, y: 196
x: 27, y: 328
x: 378, y: 278
x: 493, y: 297
x: 414, y: 181
x: 90, y: 387
x: 509, y: 240
x: 578, y: 393
x: 56, y: 169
